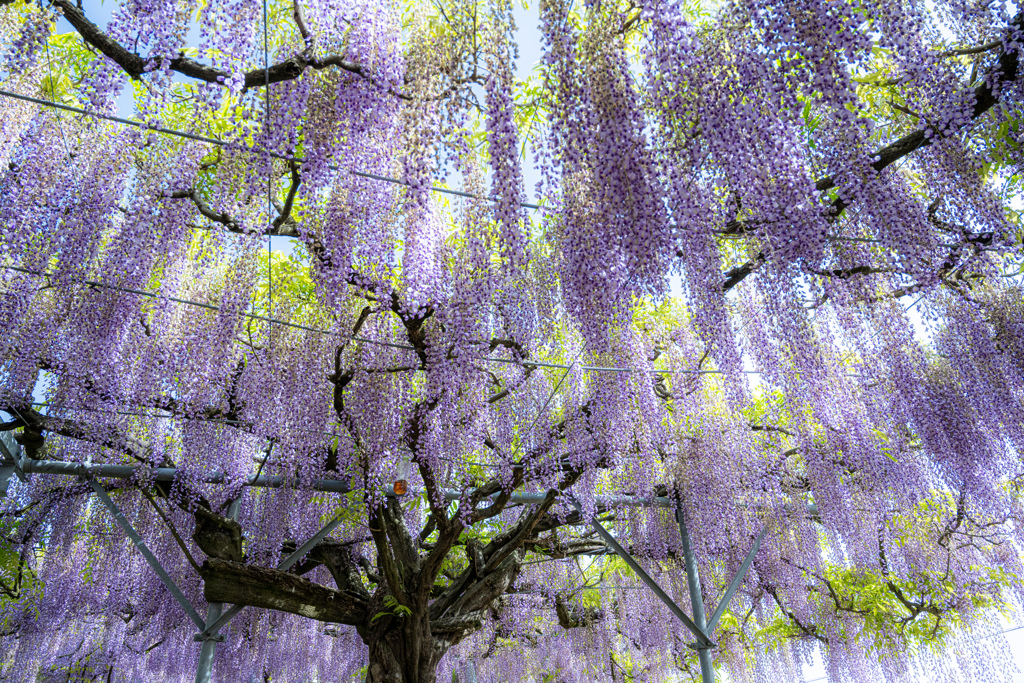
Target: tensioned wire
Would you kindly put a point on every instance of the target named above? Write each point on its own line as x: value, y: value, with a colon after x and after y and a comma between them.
x: 299, y: 160
x: 269, y: 319
x: 365, y: 340
x: 360, y: 174
x: 230, y: 145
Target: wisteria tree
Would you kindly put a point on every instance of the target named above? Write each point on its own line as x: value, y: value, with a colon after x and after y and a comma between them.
x: 772, y: 280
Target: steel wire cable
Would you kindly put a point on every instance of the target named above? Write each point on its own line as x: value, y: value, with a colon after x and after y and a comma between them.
x: 269, y: 319
x: 365, y: 340
x: 230, y: 145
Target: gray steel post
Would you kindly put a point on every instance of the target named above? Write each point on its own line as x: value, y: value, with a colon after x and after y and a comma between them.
x: 10, y: 461
x: 698, y: 631
x: 213, y: 610
x: 6, y: 470
x: 206, y: 652
x: 707, y: 669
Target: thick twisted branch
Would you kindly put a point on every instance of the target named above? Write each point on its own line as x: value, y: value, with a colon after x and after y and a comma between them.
x: 242, y: 584
x: 984, y: 96
x: 135, y: 65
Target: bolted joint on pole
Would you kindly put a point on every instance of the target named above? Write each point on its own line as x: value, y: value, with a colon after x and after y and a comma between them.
x: 698, y: 647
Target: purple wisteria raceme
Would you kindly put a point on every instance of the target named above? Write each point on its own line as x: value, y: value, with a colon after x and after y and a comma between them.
x: 774, y: 291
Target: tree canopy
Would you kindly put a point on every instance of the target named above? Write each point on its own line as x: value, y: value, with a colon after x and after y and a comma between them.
x: 769, y: 280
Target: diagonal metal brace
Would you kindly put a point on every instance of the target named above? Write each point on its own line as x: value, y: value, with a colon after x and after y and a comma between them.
x: 285, y: 565
x: 150, y: 557
x: 737, y: 580
x: 702, y: 639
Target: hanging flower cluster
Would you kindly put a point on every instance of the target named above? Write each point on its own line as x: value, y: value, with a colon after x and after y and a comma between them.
x: 773, y: 294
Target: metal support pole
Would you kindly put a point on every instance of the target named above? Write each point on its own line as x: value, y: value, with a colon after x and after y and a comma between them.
x: 6, y: 470
x: 10, y: 462
x: 698, y: 632
x: 205, y: 668
x: 707, y: 669
x: 206, y: 652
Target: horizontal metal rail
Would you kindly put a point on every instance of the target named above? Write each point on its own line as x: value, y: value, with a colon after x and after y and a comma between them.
x: 168, y: 473
x: 29, y: 466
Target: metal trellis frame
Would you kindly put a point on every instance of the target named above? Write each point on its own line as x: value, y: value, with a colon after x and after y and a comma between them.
x: 703, y: 641
x: 25, y: 465
x: 701, y: 628
x: 13, y: 461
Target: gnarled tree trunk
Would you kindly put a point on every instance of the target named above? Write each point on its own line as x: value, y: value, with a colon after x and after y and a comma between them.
x: 412, y: 617
x: 402, y: 650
